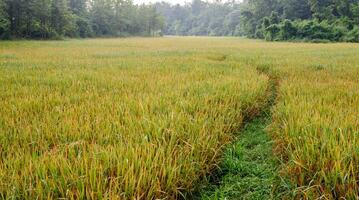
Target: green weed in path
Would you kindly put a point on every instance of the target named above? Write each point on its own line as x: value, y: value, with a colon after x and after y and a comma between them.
x: 249, y: 168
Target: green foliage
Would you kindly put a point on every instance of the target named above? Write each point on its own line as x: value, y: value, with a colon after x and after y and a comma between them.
x: 45, y: 19
x: 201, y: 18
x: 320, y: 31
x: 354, y: 9
x: 313, y: 20
x: 353, y: 35
x: 62, y: 20
x: 288, y: 30
x: 253, y: 12
x: 231, y: 21
x: 266, y: 22
x: 274, y: 18
x: 313, y: 30
x: 296, y: 9
x: 248, y: 169
x: 306, y: 20
x: 4, y: 21
x: 271, y: 32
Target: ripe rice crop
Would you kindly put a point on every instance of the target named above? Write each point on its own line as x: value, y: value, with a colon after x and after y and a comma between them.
x: 117, y: 118
x: 316, y: 121
x: 147, y: 118
x: 316, y: 117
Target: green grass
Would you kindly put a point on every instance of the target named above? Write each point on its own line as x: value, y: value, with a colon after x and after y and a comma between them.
x: 249, y: 168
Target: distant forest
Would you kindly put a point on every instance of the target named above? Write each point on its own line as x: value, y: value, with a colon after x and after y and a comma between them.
x: 274, y: 20
x: 314, y: 20
x: 44, y: 19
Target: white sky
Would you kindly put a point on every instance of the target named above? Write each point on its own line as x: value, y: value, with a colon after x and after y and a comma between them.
x: 169, y: 1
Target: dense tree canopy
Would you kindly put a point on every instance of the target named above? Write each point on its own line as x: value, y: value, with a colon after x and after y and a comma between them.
x: 76, y: 18
x: 314, y: 20
x: 325, y: 20
x: 201, y: 18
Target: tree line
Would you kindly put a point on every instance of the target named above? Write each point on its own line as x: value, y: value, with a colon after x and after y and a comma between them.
x: 314, y: 20
x: 218, y: 18
x: 44, y: 19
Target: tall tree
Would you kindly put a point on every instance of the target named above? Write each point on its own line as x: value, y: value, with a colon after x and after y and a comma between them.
x: 196, y: 6
x: 296, y: 9
x: 62, y: 20
x: 253, y: 12
x: 4, y: 20
x: 232, y: 21
x: 14, y: 12
x: 41, y: 24
x: 76, y: 18
x: 199, y: 18
x: 322, y: 9
x: 81, y: 17
x: 102, y: 16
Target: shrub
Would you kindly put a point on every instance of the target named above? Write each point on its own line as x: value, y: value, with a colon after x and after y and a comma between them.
x: 266, y: 22
x: 353, y: 35
x: 304, y: 29
x: 274, y: 18
x: 260, y: 28
x: 3, y: 27
x: 4, y: 22
x: 338, y: 33
x: 320, y: 31
x: 287, y: 30
x: 259, y: 32
x: 271, y: 32
x: 312, y: 30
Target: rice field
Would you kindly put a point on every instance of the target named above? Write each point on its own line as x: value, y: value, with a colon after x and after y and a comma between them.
x: 316, y: 120
x: 148, y: 118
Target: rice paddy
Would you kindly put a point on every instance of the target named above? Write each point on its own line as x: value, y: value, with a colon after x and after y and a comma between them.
x: 149, y: 118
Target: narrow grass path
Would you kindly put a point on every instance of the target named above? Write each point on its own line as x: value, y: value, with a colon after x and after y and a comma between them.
x: 249, y: 169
